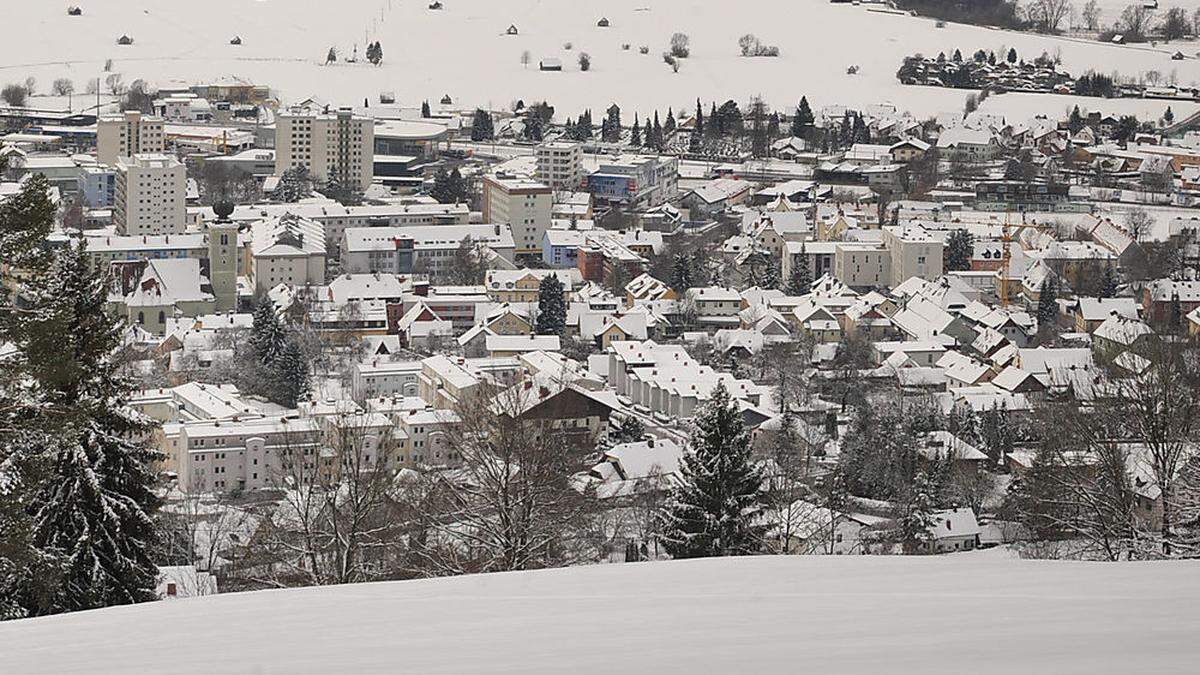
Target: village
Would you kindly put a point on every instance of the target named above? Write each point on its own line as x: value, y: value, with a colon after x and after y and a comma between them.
x: 272, y: 339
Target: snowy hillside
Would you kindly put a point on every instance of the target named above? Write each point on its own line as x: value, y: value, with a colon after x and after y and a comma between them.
x: 462, y: 50
x: 977, y: 613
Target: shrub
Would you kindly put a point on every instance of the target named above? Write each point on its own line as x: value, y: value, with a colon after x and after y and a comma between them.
x: 14, y: 95
x: 680, y: 46
x: 585, y: 61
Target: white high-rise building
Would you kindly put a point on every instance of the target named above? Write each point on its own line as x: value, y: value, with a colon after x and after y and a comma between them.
x: 523, y: 204
x: 150, y: 195
x: 129, y: 133
x: 338, y: 146
x: 560, y: 165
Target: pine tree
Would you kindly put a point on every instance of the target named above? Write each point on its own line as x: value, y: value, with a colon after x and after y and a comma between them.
x: 626, y: 430
x: 714, y: 123
x: 425, y: 111
x: 800, y: 280
x: 669, y: 125
x: 291, y: 373
x: 698, y: 130
x: 92, y: 510
x: 717, y: 508
x: 552, y: 308
x: 612, y: 125
x: 959, y: 251
x: 26, y: 220
x: 636, y: 138
x: 1108, y: 282
x: 803, y: 120
x: 1169, y: 116
x: 1075, y: 121
x: 682, y: 277
x: 1012, y: 55
x: 533, y: 128
x: 267, y: 336
x: 1047, y: 307
x: 918, y: 519
x: 658, y: 133
x: 648, y: 136
x: 482, y: 128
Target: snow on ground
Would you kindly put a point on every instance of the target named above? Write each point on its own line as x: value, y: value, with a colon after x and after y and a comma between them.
x: 980, y: 613
x: 462, y: 51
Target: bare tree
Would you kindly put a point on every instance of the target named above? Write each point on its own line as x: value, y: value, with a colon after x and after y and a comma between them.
x: 1091, y: 15
x: 1047, y: 15
x: 62, y: 87
x: 335, y: 523
x: 1135, y: 19
x: 513, y: 504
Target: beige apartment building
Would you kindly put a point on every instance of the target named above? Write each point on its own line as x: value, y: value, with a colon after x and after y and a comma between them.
x: 560, y: 165
x: 915, y: 252
x: 129, y: 133
x: 523, y: 204
x: 332, y: 146
x: 150, y: 195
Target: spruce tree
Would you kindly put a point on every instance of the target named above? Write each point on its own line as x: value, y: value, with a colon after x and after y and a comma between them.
x: 291, y: 374
x: 91, y: 511
x: 800, y: 279
x: 636, y: 139
x: 682, y: 277
x: 918, y: 519
x: 552, y: 308
x: 267, y: 336
x: 959, y: 251
x: 698, y: 130
x: 612, y: 125
x: 648, y: 136
x: 425, y: 111
x: 1075, y: 121
x: 1047, y: 307
x: 717, y: 508
x: 669, y: 125
x: 659, y: 143
x: 481, y: 126
x: 1108, y: 282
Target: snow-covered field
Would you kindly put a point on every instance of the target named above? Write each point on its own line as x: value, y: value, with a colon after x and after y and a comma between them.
x: 979, y: 613
x: 462, y: 51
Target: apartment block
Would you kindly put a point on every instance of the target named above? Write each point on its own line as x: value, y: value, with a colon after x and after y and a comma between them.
x: 560, y: 165
x: 332, y: 146
x: 523, y: 204
x: 150, y: 195
x: 129, y: 133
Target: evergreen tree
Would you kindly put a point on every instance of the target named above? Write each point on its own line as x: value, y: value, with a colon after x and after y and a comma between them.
x: 682, y: 277
x: 771, y: 275
x: 482, y: 128
x: 636, y: 139
x: 714, y: 124
x: 1047, y: 307
x: 800, y: 280
x: 698, y: 130
x: 1012, y: 55
x: 960, y: 247
x: 449, y: 187
x: 628, y: 429
x: 533, y: 128
x: 1075, y: 121
x: 1169, y: 116
x: 291, y: 372
x: 918, y: 519
x: 425, y: 111
x: 91, y: 511
x: 773, y: 126
x: 1108, y: 282
x: 1176, y: 313
x: 669, y: 125
x: 658, y: 133
x: 803, y: 120
x: 268, y: 338
x: 717, y: 508
x: 958, y: 57
x: 648, y: 136
x: 552, y: 308
x: 612, y: 125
